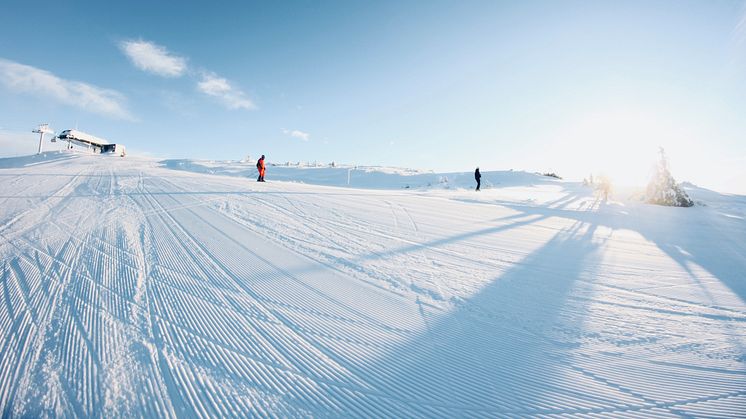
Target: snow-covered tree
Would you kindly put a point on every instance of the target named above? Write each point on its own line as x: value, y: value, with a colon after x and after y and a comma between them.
x: 663, y: 189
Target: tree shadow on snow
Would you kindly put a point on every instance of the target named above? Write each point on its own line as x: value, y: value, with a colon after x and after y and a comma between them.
x: 492, y: 354
x: 687, y: 236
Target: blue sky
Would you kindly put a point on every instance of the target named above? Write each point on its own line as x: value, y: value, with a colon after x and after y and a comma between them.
x: 571, y: 87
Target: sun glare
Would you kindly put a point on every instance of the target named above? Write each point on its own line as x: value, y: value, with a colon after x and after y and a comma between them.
x: 620, y: 144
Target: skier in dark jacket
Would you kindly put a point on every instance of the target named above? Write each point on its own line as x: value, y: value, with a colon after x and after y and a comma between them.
x: 478, y: 177
x: 260, y: 168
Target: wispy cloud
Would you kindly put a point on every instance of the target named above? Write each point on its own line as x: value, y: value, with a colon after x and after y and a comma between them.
x: 740, y: 30
x: 153, y: 58
x: 156, y: 59
x: 27, y: 79
x: 218, y: 87
x: 303, y: 136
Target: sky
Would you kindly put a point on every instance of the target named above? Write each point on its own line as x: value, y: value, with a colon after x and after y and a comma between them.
x: 572, y: 87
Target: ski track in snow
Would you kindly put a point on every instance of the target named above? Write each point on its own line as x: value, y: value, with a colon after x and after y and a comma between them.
x: 131, y: 289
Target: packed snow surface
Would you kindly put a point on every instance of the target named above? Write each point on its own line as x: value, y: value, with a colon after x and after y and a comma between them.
x: 130, y: 288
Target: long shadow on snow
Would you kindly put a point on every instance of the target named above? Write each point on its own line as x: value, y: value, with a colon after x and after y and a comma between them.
x: 694, y: 238
x: 523, y: 217
x: 492, y: 353
x: 472, y: 358
x: 686, y: 235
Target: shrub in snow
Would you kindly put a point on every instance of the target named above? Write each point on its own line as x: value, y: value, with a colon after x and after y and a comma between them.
x: 552, y: 174
x: 603, y: 186
x: 662, y: 188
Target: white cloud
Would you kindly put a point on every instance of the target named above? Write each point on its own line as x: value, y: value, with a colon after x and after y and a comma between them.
x: 156, y: 59
x: 153, y: 58
x: 27, y: 79
x: 216, y: 86
x: 303, y: 136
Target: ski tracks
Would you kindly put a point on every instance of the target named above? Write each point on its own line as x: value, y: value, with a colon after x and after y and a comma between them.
x: 283, y: 336
x: 184, y: 304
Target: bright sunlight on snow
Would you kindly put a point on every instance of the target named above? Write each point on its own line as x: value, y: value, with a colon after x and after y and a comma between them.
x: 180, y: 288
x: 493, y: 209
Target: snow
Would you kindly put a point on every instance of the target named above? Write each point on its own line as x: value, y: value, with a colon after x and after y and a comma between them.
x: 367, y: 177
x: 130, y: 288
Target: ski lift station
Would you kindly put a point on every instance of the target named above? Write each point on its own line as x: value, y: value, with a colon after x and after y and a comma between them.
x: 93, y: 143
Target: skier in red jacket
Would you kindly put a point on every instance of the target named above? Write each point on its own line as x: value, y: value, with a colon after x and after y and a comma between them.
x: 260, y: 168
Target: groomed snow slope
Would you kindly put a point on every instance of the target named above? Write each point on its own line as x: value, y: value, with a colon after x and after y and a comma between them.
x: 132, y: 289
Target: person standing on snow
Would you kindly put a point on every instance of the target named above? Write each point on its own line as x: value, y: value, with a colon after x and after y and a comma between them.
x: 260, y: 168
x: 478, y: 177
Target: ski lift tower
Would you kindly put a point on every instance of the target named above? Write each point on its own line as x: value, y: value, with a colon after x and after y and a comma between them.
x: 43, y: 129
